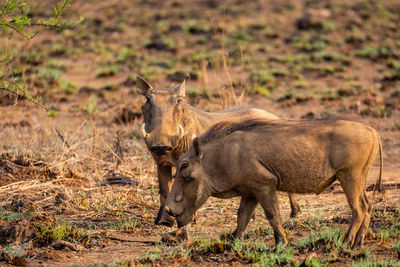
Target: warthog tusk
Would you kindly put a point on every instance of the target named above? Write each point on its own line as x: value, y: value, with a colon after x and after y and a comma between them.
x: 143, y: 130
x: 181, y: 131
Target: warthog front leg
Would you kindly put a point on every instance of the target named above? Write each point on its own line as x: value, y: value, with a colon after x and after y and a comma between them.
x: 245, y: 212
x: 295, y: 207
x: 164, y: 182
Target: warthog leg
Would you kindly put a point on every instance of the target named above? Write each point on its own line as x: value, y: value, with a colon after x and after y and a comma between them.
x: 268, y: 199
x: 164, y: 181
x: 359, y: 206
x: 295, y: 207
x: 245, y: 212
x: 359, y: 239
x: 364, y: 226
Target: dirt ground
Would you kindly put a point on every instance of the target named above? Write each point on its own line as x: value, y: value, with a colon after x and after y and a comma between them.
x: 80, y: 188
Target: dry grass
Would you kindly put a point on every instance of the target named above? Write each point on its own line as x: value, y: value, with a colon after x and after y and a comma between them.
x: 58, y: 166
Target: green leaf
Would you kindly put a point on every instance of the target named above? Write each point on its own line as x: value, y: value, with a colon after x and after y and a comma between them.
x: 25, y: 8
x: 5, y: 84
x: 55, y: 11
x: 11, y: 35
x: 30, y: 35
x: 1, y: 74
x: 53, y: 21
x: 52, y: 113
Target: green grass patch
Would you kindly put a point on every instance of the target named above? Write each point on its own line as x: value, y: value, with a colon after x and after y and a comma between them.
x: 10, y: 216
x: 107, y: 71
x: 261, y: 90
x: 376, y: 263
x: 126, y: 224
x: 261, y: 77
x: 47, y: 234
x: 327, y: 240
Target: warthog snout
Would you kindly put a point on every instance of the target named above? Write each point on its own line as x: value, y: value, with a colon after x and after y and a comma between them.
x: 161, y: 149
x: 169, y: 211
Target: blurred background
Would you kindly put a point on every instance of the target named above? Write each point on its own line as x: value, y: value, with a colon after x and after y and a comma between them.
x: 297, y: 59
x: 311, y: 57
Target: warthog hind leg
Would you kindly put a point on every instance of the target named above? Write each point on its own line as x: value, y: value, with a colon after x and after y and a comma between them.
x: 269, y: 201
x: 245, y: 212
x: 352, y: 184
x: 295, y: 207
x: 359, y: 242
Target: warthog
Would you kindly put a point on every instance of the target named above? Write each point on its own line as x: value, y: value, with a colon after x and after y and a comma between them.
x: 254, y: 159
x: 168, y: 125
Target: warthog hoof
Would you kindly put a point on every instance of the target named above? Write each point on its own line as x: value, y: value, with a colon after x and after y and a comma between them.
x: 164, y: 219
x: 174, y: 237
x: 295, y: 211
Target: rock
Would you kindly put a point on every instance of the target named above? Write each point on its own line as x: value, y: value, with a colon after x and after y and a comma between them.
x: 61, y: 244
x: 309, y: 115
x: 313, y: 18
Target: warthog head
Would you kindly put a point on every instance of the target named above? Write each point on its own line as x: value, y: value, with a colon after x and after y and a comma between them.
x: 190, y: 188
x: 163, y: 124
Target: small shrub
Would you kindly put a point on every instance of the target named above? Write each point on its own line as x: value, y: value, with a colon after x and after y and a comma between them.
x: 10, y: 216
x: 150, y: 257
x: 280, y: 72
x: 328, y: 26
x: 376, y: 263
x: 91, y: 106
x: 262, y: 254
x: 124, y: 54
x: 207, y: 246
x: 264, y: 231
x: 49, y: 73
x: 47, y: 234
x: 261, y: 77
x: 375, y: 52
x: 330, y: 239
x: 263, y: 91
x: 126, y: 224
x: 69, y: 87
x: 107, y: 71
x: 300, y: 84
x: 396, y: 246
x: 241, y: 36
x: 121, y: 263
x: 312, y: 262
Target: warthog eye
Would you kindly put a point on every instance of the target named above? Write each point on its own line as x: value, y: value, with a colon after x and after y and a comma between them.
x: 184, y: 171
x: 184, y: 166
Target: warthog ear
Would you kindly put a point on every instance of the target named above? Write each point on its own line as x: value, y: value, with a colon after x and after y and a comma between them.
x: 180, y: 89
x: 196, y: 146
x: 143, y: 86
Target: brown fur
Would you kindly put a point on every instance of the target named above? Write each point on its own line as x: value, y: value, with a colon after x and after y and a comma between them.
x: 225, y: 128
x: 255, y: 158
x: 163, y: 112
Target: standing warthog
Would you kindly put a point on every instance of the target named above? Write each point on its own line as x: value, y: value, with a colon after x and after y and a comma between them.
x: 168, y: 125
x: 254, y: 159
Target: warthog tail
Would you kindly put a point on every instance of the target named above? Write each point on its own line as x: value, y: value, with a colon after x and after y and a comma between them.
x: 378, y: 185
